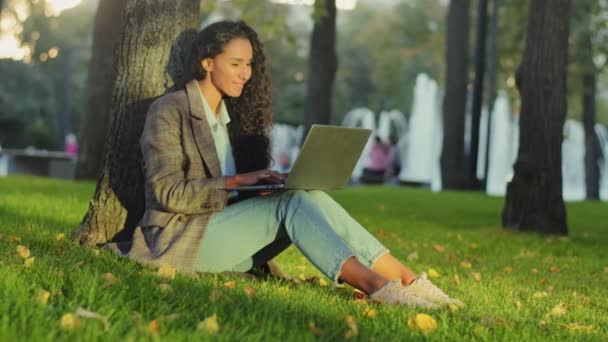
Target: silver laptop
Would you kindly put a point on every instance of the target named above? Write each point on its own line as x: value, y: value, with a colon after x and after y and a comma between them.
x: 326, y: 160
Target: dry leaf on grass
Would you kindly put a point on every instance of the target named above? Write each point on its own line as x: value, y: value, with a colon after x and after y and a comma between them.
x: 465, y: 264
x: 249, y: 291
x: 80, y: 312
x: 432, y: 273
x: 322, y: 282
x: 369, y: 312
x: 229, y: 284
x: 540, y: 294
x: 209, y: 325
x: 456, y: 279
x: 69, y: 321
x: 153, y: 327
x: 477, y: 276
x: 382, y: 233
x: 60, y: 236
x: 555, y: 269
x: 575, y: 327
x: 412, y: 256
x: 438, y: 248
x: 109, y: 279
x: 23, y: 252
x: 422, y: 323
x: 557, y: 311
x: 508, y: 269
x: 43, y: 297
x: 29, y: 261
x: 353, y: 330
x: 166, y: 271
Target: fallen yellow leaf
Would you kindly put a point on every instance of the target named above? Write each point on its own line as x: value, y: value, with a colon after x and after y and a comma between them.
x: 109, y: 279
x: 575, y: 327
x: 153, y: 327
x: 43, y: 297
x: 558, y: 310
x: 353, y: 330
x: 432, y: 273
x: 166, y: 271
x: 412, y: 256
x: 555, y: 269
x: 229, y: 284
x: 422, y: 323
x: 477, y: 276
x: 473, y: 245
x: 465, y: 264
x: 439, y: 248
x: 29, y: 261
x: 456, y: 279
x: 508, y: 269
x: 518, y: 304
x: 249, y: 291
x: 322, y: 282
x: 302, y: 277
x: 209, y: 325
x: 69, y: 321
x: 539, y: 295
x: 23, y: 252
x: 60, y: 236
x: 369, y: 312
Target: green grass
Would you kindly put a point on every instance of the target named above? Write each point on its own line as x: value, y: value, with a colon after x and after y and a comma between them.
x: 501, y: 305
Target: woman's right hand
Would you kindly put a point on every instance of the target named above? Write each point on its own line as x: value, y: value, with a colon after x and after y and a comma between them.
x: 251, y: 178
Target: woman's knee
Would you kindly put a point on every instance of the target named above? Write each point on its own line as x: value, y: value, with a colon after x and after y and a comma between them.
x: 319, y: 196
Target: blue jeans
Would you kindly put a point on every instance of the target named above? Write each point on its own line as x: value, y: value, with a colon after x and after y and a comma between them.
x: 262, y: 227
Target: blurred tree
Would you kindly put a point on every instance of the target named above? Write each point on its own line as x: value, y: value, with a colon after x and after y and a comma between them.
x: 534, y: 196
x: 101, y: 77
x: 322, y: 65
x: 453, y: 161
x: 381, y: 73
x: 145, y: 70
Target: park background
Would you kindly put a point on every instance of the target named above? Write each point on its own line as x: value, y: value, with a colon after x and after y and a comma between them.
x: 63, y: 67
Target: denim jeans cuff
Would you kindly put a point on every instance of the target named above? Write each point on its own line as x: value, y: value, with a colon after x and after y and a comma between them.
x: 335, y: 274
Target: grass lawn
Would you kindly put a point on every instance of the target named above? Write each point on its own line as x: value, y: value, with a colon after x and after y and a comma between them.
x: 517, y: 286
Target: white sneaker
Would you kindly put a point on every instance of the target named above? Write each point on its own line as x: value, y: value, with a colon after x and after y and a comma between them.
x: 395, y: 294
x: 423, y: 287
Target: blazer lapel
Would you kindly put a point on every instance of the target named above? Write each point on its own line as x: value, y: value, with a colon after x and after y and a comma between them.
x: 201, y: 130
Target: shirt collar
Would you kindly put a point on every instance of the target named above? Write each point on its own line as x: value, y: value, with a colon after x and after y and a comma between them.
x: 223, y: 118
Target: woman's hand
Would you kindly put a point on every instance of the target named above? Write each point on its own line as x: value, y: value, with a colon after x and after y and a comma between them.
x: 251, y: 178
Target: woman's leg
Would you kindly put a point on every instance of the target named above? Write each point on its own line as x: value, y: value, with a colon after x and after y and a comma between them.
x: 238, y: 232
x: 365, y: 245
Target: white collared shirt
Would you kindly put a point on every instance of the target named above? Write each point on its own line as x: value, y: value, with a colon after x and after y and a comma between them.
x: 219, y: 130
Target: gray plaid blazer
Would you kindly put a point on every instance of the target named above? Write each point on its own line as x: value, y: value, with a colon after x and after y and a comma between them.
x: 183, y: 181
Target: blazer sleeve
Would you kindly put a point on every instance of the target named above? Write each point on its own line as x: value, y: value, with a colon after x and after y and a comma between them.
x: 163, y: 161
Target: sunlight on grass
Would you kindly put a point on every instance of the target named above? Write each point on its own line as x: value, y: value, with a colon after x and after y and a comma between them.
x: 517, y: 286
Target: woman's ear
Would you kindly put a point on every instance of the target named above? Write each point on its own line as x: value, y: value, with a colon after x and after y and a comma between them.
x: 207, y: 64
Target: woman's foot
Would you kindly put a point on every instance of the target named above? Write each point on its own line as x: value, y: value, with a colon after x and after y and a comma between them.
x: 422, y: 287
x: 394, y: 293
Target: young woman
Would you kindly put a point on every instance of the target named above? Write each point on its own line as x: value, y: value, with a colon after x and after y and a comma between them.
x: 212, y: 135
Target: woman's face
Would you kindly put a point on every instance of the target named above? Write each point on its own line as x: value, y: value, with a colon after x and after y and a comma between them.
x: 231, y: 69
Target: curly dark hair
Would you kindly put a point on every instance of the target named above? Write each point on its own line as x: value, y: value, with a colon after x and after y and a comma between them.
x: 250, y: 113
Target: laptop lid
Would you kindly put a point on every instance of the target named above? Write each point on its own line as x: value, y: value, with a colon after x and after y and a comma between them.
x: 327, y: 158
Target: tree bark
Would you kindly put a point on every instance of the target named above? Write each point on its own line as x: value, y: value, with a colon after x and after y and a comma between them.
x: 592, y: 144
x: 453, y: 161
x: 102, y: 74
x: 492, y: 61
x: 149, y: 59
x: 534, y: 196
x: 322, y: 64
x: 477, y: 101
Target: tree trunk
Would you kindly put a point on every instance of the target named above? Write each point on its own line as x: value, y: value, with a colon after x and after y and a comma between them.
x: 492, y: 60
x: 102, y: 74
x: 453, y: 161
x: 592, y: 144
x: 477, y: 101
x: 148, y: 61
x: 322, y: 64
x: 534, y: 196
